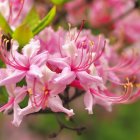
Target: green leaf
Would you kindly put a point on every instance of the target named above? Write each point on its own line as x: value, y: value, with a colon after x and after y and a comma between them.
x: 45, y: 21
x: 59, y: 2
x: 5, y: 26
x: 24, y: 102
x: 32, y: 19
x: 3, y: 95
x: 23, y: 34
x: 2, y: 64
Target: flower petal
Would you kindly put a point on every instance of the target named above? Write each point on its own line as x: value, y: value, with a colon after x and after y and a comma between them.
x: 66, y: 77
x: 88, y: 79
x: 20, y: 113
x: 15, y: 77
x: 35, y: 71
x: 40, y: 59
x: 55, y: 103
x: 32, y: 48
x: 89, y: 102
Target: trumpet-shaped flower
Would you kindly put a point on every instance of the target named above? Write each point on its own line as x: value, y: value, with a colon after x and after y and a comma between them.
x: 43, y: 94
x: 77, y: 58
x: 25, y: 64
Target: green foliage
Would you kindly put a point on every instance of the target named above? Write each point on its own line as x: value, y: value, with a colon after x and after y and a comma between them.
x: 24, y: 103
x: 59, y: 2
x: 45, y: 21
x: 5, y: 26
x: 45, y: 125
x: 2, y: 64
x: 32, y: 19
x: 3, y: 95
x: 23, y: 34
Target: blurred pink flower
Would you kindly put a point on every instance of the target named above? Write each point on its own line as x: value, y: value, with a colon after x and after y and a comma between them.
x: 129, y: 27
x: 76, y: 11
x: 104, y: 11
x: 15, y: 10
x: 97, y: 12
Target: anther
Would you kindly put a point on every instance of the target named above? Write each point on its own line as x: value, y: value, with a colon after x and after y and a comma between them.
x: 30, y: 91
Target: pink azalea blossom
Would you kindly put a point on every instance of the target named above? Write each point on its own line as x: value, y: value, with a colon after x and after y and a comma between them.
x: 77, y: 62
x: 25, y: 64
x: 104, y: 11
x: 57, y: 59
x: 76, y: 10
x: 98, y: 12
x: 43, y: 93
x: 129, y: 27
x: 77, y: 56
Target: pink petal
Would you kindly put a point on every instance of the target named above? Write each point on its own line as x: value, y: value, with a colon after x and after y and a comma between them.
x: 66, y: 77
x: 40, y: 59
x: 56, y: 88
x: 15, y: 77
x: 55, y: 103
x: 89, y: 102
x: 35, y: 71
x: 86, y: 78
x: 20, y: 113
x: 32, y: 48
x: 103, y: 102
x: 10, y: 102
x: 69, y: 49
x: 61, y: 63
x: 17, y: 118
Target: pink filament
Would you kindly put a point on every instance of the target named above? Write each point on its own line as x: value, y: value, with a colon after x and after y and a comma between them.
x: 11, y: 101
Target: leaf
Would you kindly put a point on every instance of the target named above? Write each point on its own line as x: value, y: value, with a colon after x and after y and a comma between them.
x: 32, y: 19
x: 2, y: 64
x: 24, y: 102
x: 45, y: 21
x: 59, y: 2
x: 5, y: 26
x: 3, y: 95
x: 23, y: 34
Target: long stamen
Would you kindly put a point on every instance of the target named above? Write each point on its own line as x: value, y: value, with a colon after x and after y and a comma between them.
x: 116, y: 99
x: 82, y: 25
x: 43, y: 96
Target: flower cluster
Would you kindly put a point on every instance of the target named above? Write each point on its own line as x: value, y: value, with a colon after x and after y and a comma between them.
x: 75, y: 58
x: 41, y: 71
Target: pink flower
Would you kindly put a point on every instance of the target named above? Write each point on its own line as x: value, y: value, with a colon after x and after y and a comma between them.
x: 15, y: 10
x: 104, y: 11
x: 76, y: 11
x: 128, y: 27
x: 97, y: 12
x: 50, y: 40
x: 25, y: 64
x: 106, y: 98
x: 15, y: 94
x: 77, y: 58
x: 43, y: 93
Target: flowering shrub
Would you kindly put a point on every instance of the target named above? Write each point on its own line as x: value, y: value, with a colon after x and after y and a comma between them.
x: 40, y: 65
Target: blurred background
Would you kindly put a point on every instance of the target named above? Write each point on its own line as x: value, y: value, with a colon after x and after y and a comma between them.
x: 121, y: 25
x: 123, y: 123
